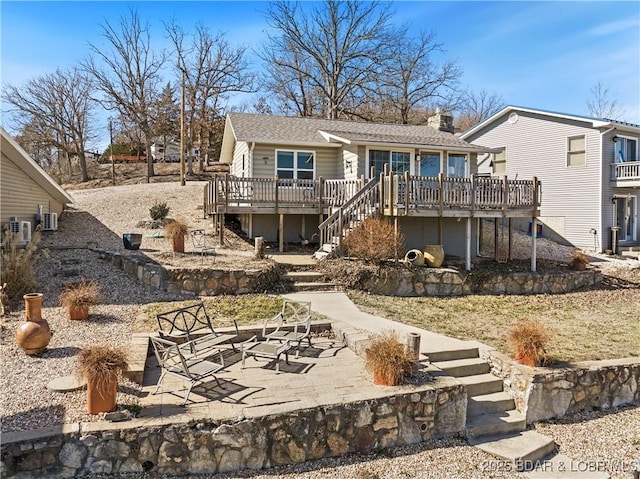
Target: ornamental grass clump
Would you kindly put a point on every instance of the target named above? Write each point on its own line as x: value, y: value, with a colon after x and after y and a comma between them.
x: 79, y: 295
x: 18, y: 275
x: 176, y: 228
x: 579, y: 261
x: 101, y: 364
x: 388, y: 359
x: 528, y: 339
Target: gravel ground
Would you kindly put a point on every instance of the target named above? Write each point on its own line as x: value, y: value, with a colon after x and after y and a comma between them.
x: 101, y: 216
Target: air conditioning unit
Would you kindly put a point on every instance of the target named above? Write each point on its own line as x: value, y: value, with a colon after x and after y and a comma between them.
x: 50, y: 221
x: 21, y: 230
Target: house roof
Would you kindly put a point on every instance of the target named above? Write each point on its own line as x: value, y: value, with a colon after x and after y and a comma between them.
x: 595, y: 122
x: 322, y: 132
x: 14, y: 151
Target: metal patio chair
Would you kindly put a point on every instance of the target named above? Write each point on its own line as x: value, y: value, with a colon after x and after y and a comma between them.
x: 199, y: 240
x: 293, y: 324
x: 173, y: 362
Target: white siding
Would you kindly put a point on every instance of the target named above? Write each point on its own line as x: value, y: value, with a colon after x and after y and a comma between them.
x: 240, y: 158
x: 350, y: 161
x: 537, y: 146
x: 21, y: 195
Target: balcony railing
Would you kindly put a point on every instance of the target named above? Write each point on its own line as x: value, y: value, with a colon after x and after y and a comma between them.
x: 628, y: 171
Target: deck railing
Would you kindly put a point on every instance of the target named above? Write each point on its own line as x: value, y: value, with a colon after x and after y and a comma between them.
x: 478, y: 192
x: 399, y: 193
x: 629, y: 170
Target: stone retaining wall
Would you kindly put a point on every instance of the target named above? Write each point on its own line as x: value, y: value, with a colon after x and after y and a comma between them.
x: 418, y: 281
x: 199, y: 446
x: 545, y: 393
x: 197, y: 282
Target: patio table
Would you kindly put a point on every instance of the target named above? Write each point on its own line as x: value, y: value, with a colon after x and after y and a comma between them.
x: 264, y: 349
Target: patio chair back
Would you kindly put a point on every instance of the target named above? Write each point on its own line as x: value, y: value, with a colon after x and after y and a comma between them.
x: 199, y: 240
x: 293, y: 324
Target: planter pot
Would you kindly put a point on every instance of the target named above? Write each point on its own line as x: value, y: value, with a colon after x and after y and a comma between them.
x: 79, y: 312
x: 101, y: 395
x: 414, y: 257
x: 434, y: 255
x: 132, y: 240
x: 178, y: 244
x: 34, y: 334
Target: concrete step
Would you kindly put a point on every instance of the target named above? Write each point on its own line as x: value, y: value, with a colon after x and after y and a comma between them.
x: 303, y: 276
x: 489, y: 403
x: 496, y: 423
x: 302, y: 286
x: 464, y: 367
x: 523, y: 449
x: 481, y: 384
x: 452, y: 354
x: 561, y: 466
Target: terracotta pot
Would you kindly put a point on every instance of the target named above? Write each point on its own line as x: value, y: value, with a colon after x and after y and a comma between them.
x: 434, y: 255
x: 79, y: 312
x: 34, y: 334
x: 178, y: 244
x: 101, y: 395
x: 33, y: 306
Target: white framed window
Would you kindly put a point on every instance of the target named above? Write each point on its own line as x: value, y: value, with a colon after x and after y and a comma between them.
x: 576, y: 151
x: 399, y: 160
x: 457, y: 165
x: 626, y: 149
x: 295, y: 164
x: 429, y: 163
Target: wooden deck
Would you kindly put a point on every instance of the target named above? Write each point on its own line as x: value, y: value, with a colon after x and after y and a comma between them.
x: 401, y: 196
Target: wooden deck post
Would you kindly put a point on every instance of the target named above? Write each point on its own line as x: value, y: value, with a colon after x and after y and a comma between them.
x: 281, y: 234
x: 441, y: 203
x: 467, y: 252
x: 391, y: 193
x: 320, y: 196
x: 505, y: 193
x: 510, y: 237
x: 495, y: 239
x: 276, y: 192
x: 534, y: 228
x: 382, y: 192
x: 406, y: 193
x: 221, y: 232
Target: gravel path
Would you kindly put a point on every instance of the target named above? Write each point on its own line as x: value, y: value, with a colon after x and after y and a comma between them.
x: 101, y: 216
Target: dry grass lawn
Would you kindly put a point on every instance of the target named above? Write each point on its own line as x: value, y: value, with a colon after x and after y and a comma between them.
x: 597, y: 323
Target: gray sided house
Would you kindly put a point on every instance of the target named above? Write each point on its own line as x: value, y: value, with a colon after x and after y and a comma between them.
x: 29, y: 194
x: 589, y: 168
x: 295, y: 179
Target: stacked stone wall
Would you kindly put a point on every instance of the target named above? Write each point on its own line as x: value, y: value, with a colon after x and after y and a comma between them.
x: 546, y: 393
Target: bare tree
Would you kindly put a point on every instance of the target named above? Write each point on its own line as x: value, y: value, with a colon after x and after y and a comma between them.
x: 128, y: 75
x: 413, y: 79
x: 56, y: 109
x: 477, y: 107
x: 213, y: 69
x: 603, y: 104
x: 336, y: 49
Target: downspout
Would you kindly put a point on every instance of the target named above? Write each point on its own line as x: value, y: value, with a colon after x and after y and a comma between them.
x: 600, y: 218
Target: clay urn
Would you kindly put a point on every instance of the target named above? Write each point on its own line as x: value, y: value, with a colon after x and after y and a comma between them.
x: 34, y: 334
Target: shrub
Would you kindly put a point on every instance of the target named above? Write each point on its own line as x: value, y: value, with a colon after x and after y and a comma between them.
x: 177, y: 227
x: 77, y: 295
x: 528, y: 339
x: 388, y: 359
x: 159, y: 211
x: 579, y: 261
x: 101, y: 364
x: 17, y: 266
x: 374, y: 240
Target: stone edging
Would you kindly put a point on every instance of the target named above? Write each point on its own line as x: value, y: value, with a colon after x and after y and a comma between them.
x: 449, y: 282
x: 193, y: 282
x: 545, y: 393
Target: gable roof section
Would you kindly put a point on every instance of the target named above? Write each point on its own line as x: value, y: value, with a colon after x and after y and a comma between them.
x: 594, y: 122
x: 276, y: 130
x: 14, y: 151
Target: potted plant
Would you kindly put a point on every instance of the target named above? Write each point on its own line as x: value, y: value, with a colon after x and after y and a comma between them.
x: 100, y: 367
x: 579, y: 261
x: 78, y: 297
x: 176, y: 230
x: 528, y: 339
x: 388, y: 359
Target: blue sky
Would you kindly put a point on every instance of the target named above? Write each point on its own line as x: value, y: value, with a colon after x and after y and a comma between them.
x: 544, y: 54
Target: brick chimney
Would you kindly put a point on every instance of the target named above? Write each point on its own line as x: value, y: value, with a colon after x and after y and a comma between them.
x: 442, y: 121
